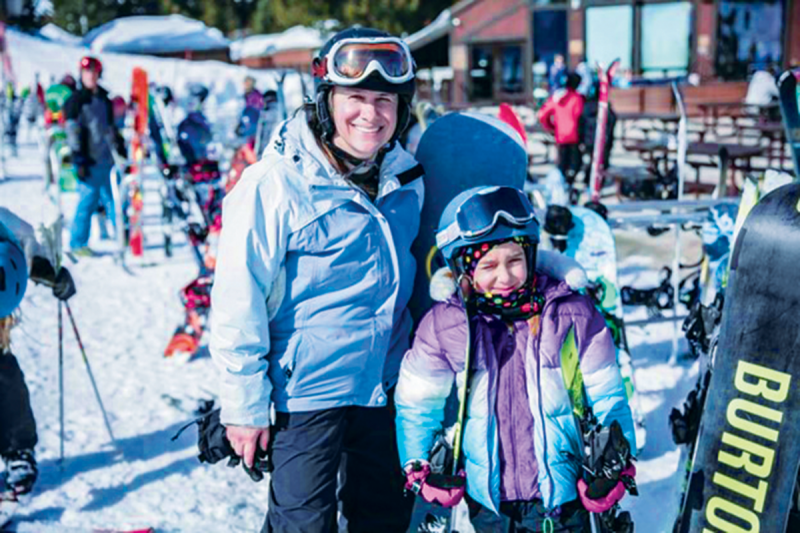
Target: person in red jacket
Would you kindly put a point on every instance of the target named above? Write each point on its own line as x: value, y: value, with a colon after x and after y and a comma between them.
x: 560, y: 115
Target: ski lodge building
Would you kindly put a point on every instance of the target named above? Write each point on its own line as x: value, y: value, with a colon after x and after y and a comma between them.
x: 294, y: 48
x: 501, y: 50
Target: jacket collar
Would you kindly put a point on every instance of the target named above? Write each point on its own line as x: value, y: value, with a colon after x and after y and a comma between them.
x: 86, y: 93
x: 296, y: 142
x: 552, y: 288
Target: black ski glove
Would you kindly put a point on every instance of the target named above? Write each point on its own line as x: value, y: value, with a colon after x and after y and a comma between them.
x: 214, y: 446
x: 64, y: 288
x: 610, y: 464
x: 42, y: 271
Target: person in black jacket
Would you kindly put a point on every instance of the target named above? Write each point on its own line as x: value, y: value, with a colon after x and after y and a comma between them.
x: 91, y: 135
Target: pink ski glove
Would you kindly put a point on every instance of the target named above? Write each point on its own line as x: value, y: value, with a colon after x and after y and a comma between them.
x: 603, y: 504
x: 446, y: 491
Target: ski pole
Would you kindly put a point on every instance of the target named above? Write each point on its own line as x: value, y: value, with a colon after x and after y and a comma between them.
x: 61, y: 383
x: 89, y: 371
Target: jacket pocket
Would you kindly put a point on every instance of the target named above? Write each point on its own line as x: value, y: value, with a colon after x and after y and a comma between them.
x: 288, y: 365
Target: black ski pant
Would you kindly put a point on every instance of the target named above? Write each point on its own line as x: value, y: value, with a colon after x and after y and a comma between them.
x: 529, y: 517
x: 17, y: 426
x: 570, y: 161
x: 354, y: 445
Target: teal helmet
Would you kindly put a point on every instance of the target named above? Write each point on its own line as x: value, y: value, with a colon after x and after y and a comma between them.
x: 485, y: 214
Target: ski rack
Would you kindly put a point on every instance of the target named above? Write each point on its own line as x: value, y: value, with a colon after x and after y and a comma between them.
x: 630, y: 214
x: 664, y: 213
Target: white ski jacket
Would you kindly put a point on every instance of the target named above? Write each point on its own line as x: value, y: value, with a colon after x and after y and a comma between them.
x: 312, y: 282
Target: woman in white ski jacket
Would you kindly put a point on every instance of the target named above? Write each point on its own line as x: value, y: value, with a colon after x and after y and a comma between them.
x: 313, y: 277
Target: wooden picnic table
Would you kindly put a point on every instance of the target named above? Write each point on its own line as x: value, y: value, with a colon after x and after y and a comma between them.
x: 661, y: 117
x: 660, y: 123
x: 736, y: 109
x: 726, y: 153
x: 773, y: 132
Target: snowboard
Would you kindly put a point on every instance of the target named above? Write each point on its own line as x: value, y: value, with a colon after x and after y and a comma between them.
x: 55, y: 97
x: 591, y: 243
x: 459, y: 151
x: 747, y: 450
x: 595, y: 176
x: 717, y: 236
x: 134, y: 201
x: 789, y: 101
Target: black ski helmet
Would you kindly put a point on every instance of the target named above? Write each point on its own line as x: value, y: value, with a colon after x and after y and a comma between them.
x: 374, y: 82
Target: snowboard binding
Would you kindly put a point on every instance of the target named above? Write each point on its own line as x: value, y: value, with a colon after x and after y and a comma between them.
x: 656, y: 299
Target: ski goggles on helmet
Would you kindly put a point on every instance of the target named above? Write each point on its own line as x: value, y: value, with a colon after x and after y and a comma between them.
x: 351, y: 61
x: 93, y: 64
x: 481, y: 212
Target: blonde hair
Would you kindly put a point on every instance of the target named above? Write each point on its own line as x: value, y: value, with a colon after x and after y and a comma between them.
x: 7, y: 323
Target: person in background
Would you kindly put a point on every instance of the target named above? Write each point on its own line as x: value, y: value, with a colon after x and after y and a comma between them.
x: 252, y: 98
x: 11, y: 115
x: 556, y: 76
x: 560, y: 115
x: 91, y: 135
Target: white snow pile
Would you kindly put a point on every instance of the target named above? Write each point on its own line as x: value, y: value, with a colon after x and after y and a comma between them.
x: 295, y: 38
x: 55, y: 33
x: 154, y: 35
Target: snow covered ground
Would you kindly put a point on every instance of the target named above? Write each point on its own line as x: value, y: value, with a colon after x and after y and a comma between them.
x: 125, y: 321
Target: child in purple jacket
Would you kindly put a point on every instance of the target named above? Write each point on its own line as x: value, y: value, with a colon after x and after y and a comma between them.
x: 521, y: 441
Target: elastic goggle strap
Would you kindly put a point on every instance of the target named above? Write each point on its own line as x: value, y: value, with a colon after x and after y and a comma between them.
x: 350, y: 61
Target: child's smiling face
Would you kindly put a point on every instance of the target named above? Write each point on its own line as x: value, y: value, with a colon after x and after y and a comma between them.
x: 502, y: 270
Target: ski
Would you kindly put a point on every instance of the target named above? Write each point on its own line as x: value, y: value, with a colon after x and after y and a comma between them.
x: 135, y: 198
x: 596, y: 174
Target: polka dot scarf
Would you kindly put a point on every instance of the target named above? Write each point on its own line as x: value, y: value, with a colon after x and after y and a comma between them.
x: 521, y: 304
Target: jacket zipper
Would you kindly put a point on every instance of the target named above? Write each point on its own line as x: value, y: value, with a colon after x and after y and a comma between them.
x: 537, y: 342
x: 513, y: 426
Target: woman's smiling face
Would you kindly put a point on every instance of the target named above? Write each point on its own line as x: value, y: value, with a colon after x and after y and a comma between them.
x: 365, y: 120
